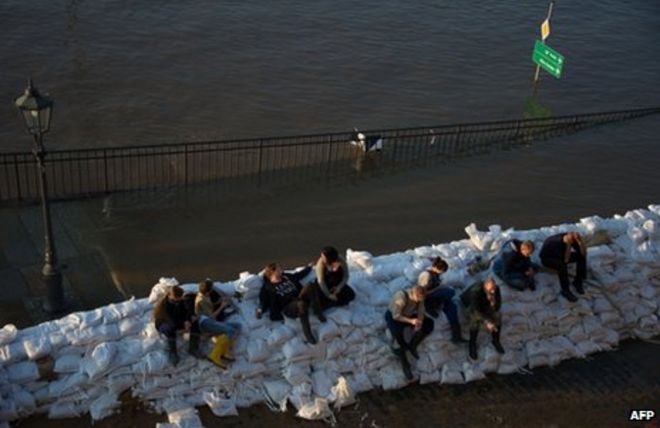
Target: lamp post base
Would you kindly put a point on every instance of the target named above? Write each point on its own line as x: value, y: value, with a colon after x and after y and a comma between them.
x: 52, y: 278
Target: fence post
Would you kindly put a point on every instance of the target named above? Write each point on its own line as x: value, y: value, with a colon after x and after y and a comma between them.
x: 18, y: 178
x: 185, y: 165
x: 105, y: 170
x: 329, y: 153
x: 261, y: 147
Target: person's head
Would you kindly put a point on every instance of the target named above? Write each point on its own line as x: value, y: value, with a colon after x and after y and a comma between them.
x: 490, y: 287
x: 439, y: 266
x: 571, y: 237
x: 205, y: 286
x: 273, y: 273
x: 417, y: 293
x: 527, y: 248
x: 175, y: 293
x: 330, y: 255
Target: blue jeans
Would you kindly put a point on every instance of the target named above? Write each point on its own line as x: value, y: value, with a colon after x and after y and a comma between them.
x: 209, y: 325
x: 517, y: 280
x: 443, y: 297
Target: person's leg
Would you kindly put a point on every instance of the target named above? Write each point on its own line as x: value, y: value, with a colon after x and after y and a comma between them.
x: 420, y: 335
x: 581, y: 271
x: 345, y: 296
x: 396, y: 329
x: 475, y: 324
x: 516, y: 280
x: 562, y: 273
x: 216, y: 328
x: 315, y: 299
x: 169, y: 331
x: 496, y: 334
x: 298, y: 309
x: 451, y: 312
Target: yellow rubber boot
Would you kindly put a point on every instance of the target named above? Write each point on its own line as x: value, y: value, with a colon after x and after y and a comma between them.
x: 228, y: 356
x: 219, y: 349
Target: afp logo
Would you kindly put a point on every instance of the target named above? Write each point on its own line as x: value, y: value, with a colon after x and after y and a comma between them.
x: 641, y: 415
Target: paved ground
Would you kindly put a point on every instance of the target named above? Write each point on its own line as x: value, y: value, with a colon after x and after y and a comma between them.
x: 597, y: 392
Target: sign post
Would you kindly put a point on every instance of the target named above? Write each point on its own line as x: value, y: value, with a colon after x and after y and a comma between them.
x: 548, y: 59
x: 545, y: 33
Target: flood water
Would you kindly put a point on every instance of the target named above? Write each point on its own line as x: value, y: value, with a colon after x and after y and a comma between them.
x: 142, y: 72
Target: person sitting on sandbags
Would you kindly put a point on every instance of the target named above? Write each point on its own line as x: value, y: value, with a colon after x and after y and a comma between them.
x: 283, y: 294
x: 209, y: 315
x: 513, y: 265
x: 557, y: 252
x: 483, y: 302
x: 171, y: 314
x: 437, y: 295
x: 330, y: 288
x: 407, y: 310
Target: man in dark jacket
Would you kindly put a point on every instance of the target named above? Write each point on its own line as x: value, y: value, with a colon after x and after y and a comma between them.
x: 172, y: 313
x: 513, y: 265
x: 282, y: 294
x: 483, y: 302
x: 558, y: 251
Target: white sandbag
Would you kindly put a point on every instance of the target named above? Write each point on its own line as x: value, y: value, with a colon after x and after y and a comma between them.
x: 257, y: 351
x: 103, y: 406
x: 12, y: 352
x: 67, y: 383
x: 153, y: 362
x: 297, y: 373
x: 296, y: 350
x: 341, y: 316
x: 433, y: 376
x: 94, y: 335
x: 100, y: 359
x: 335, y: 348
x: 67, y: 363
x: 321, y: 383
x: 64, y: 410
x: 472, y: 372
x: 587, y: 347
x: 37, y: 347
x: 277, y: 392
x: 490, y: 362
x: 341, y: 394
x: 23, y: 400
x: 131, y: 350
x: 242, y: 369
x: 328, y: 331
x: 359, y: 382
x: 355, y: 337
x: 160, y: 289
x: 451, y: 374
x: 7, y: 334
x: 185, y: 418
x: 248, y: 285
x: 358, y: 259
x: 219, y: 405
x: 317, y: 410
x: 130, y: 326
x: 392, y: 377
x: 117, y: 384
x: 279, y: 335
x: 23, y: 372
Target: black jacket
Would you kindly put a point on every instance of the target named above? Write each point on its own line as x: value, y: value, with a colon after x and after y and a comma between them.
x: 513, y: 259
x: 475, y: 300
x: 274, y: 297
x: 554, y: 247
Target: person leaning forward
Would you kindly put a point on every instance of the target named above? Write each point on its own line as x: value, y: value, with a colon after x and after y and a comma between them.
x: 483, y: 302
x: 557, y: 252
x: 406, y: 310
x: 513, y: 265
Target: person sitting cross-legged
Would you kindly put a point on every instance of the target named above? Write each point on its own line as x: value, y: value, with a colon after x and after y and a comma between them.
x: 330, y: 288
x: 282, y: 294
x: 513, y: 265
x: 438, y: 295
x: 407, y: 311
x: 483, y: 302
x: 225, y: 332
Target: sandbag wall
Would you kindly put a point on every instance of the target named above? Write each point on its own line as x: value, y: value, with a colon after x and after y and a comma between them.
x: 101, y: 353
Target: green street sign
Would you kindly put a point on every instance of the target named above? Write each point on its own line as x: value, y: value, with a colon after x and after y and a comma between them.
x: 548, y: 59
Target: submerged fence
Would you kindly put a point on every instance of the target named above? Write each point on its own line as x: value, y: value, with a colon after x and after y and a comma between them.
x: 87, y: 172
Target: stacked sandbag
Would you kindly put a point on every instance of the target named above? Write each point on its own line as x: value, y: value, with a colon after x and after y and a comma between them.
x: 96, y: 355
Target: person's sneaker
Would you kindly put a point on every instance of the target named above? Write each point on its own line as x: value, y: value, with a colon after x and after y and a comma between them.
x: 578, y: 287
x: 569, y: 296
x: 321, y: 317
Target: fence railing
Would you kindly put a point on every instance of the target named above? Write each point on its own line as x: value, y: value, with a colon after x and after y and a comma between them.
x: 87, y: 172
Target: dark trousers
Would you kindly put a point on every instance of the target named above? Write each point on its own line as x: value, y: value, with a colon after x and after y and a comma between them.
x: 169, y: 330
x: 562, y: 268
x: 296, y: 309
x: 314, y: 295
x: 443, y: 297
x: 397, y: 328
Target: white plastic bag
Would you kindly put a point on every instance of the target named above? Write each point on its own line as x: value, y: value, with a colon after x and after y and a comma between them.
x: 219, y: 405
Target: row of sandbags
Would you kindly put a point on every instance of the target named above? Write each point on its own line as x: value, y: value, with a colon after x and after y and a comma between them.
x: 96, y: 355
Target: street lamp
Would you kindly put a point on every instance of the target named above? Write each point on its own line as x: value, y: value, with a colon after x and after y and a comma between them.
x: 37, y: 110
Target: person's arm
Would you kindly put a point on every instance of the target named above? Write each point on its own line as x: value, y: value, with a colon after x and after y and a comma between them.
x: 296, y: 277
x: 344, y: 277
x: 320, y: 277
x: 397, y: 306
x: 424, y: 280
x: 582, y: 246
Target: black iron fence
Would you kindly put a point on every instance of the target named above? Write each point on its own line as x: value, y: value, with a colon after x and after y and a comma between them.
x: 87, y: 172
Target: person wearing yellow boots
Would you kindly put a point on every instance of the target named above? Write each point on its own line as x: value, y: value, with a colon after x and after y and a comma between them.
x: 225, y: 332
x: 220, y: 355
